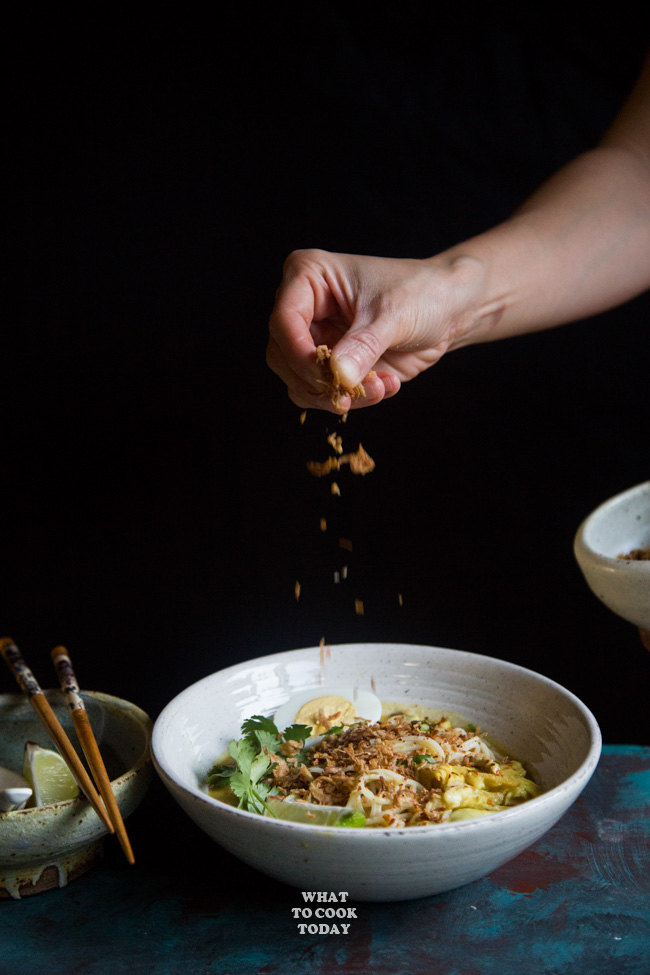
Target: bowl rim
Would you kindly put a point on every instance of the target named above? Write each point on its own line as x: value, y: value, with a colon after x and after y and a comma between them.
x: 583, y: 549
x: 583, y: 772
x: 143, y: 760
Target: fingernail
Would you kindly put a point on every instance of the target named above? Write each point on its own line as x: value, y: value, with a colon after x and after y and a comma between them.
x: 347, y: 370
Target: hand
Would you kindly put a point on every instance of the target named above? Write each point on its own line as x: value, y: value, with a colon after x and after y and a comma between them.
x: 396, y: 317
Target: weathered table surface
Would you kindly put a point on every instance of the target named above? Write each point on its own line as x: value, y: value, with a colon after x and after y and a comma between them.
x: 576, y: 902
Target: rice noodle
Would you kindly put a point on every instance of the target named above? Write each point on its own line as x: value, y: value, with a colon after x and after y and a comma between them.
x: 405, y: 772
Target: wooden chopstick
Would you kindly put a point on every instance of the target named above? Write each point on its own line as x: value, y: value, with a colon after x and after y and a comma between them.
x: 30, y: 687
x: 70, y: 687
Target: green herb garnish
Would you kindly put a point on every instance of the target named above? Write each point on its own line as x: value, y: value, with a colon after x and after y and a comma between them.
x: 354, y: 819
x: 296, y: 732
x: 336, y: 730
x: 252, y: 762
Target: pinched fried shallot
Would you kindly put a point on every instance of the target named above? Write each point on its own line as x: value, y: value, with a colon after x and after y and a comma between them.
x: 332, y: 388
x: 335, y: 441
x: 321, y: 468
x: 360, y: 462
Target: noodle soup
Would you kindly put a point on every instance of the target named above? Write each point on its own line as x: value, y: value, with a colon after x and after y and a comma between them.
x: 413, y: 767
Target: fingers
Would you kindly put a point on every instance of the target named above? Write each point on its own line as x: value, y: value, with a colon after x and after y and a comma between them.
x: 307, y: 396
x: 391, y: 383
x: 302, y: 392
x: 304, y: 315
x: 377, y: 388
x: 291, y: 344
x: 320, y: 296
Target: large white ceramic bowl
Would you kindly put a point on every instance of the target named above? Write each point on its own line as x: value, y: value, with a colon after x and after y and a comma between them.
x: 46, y: 847
x: 536, y: 720
x: 616, y: 527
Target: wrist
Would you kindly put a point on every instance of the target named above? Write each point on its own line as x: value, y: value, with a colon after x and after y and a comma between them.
x: 469, y: 311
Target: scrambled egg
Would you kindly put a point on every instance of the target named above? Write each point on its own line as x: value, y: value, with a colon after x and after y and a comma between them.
x: 469, y: 792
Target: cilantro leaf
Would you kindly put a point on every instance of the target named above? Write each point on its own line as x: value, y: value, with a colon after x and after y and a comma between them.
x: 253, y: 756
x: 253, y: 727
x: 297, y: 732
x: 252, y: 765
x: 220, y: 774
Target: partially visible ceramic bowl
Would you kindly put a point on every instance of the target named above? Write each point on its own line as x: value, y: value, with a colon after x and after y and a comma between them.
x: 46, y: 847
x: 534, y: 719
x: 615, y: 528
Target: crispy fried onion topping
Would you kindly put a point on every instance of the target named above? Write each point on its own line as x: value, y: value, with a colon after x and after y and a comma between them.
x: 331, y: 386
x: 360, y: 462
x: 404, y: 772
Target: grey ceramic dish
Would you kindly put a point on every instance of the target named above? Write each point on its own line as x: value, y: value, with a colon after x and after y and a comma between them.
x: 46, y: 847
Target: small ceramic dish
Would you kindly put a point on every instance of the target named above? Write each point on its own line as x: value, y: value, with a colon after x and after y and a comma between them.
x: 616, y: 528
x: 534, y: 719
x: 48, y: 846
x: 14, y: 790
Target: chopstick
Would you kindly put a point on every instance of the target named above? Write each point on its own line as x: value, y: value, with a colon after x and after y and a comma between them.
x: 31, y: 688
x: 70, y: 687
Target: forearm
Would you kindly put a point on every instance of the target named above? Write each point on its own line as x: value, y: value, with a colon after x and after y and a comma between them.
x: 579, y: 245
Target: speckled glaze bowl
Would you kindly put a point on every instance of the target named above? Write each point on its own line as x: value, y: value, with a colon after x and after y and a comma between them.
x: 616, y: 527
x: 537, y: 721
x: 47, y: 847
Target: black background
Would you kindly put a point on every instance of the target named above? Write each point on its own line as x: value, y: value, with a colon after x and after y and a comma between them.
x: 155, y: 506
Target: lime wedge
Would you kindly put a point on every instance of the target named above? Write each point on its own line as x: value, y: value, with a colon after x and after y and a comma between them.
x: 48, y: 776
x: 307, y: 812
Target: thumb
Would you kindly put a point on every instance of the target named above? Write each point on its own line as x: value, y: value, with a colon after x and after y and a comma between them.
x: 358, y: 351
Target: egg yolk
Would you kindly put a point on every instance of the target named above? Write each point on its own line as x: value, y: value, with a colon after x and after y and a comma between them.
x: 323, y: 713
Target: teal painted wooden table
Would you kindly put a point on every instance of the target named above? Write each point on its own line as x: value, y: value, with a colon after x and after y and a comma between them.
x: 576, y: 902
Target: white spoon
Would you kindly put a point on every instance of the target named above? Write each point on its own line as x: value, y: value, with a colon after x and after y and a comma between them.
x: 14, y: 791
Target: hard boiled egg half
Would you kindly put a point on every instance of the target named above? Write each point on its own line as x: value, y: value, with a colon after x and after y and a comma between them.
x: 328, y: 707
